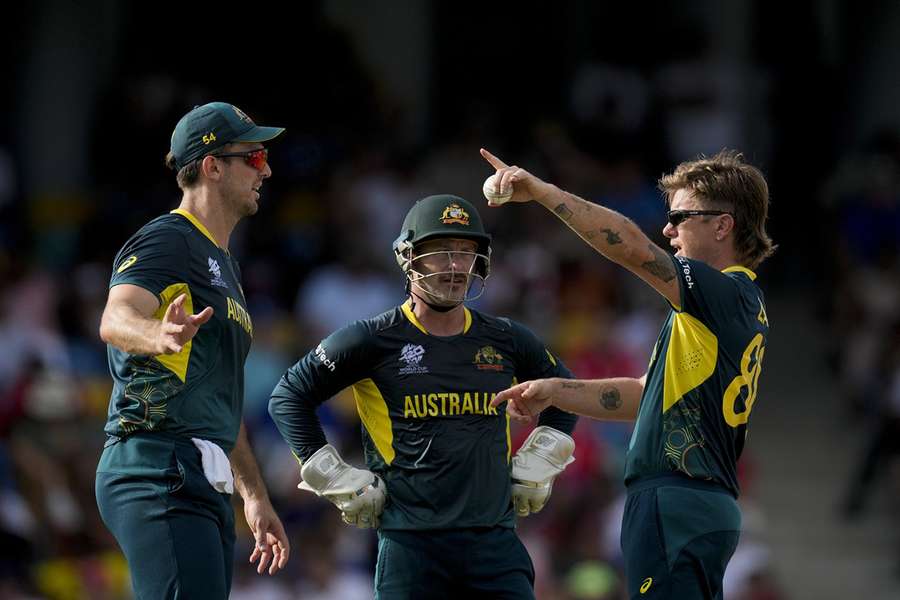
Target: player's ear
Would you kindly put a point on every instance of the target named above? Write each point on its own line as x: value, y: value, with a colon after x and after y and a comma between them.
x: 724, y: 226
x: 211, y: 167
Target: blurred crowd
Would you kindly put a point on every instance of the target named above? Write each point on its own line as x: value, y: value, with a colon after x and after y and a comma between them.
x: 862, y: 207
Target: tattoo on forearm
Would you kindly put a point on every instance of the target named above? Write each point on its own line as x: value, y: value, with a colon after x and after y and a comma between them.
x: 612, y: 237
x: 563, y: 212
x: 661, y: 266
x: 572, y: 385
x: 610, y: 398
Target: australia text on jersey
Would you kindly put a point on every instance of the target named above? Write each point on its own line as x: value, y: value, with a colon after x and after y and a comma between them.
x: 448, y: 404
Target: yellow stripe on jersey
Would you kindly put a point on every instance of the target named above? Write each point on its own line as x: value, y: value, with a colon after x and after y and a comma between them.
x: 407, y: 310
x: 373, y: 411
x: 550, y: 356
x: 690, y: 359
x: 197, y: 224
x: 740, y: 269
x: 177, y: 363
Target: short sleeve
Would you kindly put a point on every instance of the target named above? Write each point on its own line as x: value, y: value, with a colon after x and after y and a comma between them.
x: 707, y: 294
x: 153, y: 260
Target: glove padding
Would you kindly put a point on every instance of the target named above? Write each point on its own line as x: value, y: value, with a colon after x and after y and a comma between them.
x: 358, y: 493
x: 543, y: 456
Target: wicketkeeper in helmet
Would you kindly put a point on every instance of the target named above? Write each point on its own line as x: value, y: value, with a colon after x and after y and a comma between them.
x: 441, y: 484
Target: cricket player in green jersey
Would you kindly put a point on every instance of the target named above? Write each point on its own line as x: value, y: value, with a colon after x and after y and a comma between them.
x: 441, y: 486
x: 178, y: 333
x: 681, y: 521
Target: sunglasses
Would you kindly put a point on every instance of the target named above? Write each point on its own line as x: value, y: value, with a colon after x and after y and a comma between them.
x: 255, y: 158
x: 677, y: 217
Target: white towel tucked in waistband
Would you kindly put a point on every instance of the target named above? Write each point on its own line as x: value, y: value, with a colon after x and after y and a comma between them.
x: 215, y: 466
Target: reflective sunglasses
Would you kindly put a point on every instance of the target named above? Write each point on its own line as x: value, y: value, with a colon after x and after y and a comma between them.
x: 677, y: 217
x: 255, y: 158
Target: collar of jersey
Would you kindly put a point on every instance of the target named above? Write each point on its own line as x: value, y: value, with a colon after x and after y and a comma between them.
x: 740, y: 269
x: 407, y: 310
x: 197, y: 224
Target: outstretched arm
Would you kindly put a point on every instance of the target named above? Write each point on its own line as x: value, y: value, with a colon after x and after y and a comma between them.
x: 610, y: 233
x: 615, y: 399
x: 128, y: 322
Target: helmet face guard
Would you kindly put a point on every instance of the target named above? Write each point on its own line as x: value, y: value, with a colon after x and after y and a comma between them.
x: 454, y: 276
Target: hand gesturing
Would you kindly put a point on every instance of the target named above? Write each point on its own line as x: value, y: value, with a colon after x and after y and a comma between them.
x: 527, y: 399
x: 178, y: 327
x: 525, y: 186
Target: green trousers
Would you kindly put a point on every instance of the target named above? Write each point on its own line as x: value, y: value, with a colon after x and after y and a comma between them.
x: 176, y: 531
x: 478, y: 563
x: 678, y: 535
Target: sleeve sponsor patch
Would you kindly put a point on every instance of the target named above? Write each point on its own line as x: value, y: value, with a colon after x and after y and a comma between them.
x: 686, y: 274
x: 127, y: 263
x: 323, y: 358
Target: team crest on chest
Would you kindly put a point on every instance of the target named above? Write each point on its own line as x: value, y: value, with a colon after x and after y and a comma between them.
x: 216, y: 271
x: 412, y: 355
x: 488, y: 359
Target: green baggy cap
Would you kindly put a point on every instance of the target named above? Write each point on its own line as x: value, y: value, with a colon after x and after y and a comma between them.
x: 209, y: 127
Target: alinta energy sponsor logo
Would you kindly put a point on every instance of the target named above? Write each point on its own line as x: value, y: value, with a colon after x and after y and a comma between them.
x: 412, y: 355
x: 488, y: 359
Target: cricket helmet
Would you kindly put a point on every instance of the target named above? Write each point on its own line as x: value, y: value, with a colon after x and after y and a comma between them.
x: 443, y: 216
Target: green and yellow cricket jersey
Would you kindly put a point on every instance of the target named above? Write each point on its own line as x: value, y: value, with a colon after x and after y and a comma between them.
x: 428, y: 428
x: 198, y: 392
x: 703, y: 377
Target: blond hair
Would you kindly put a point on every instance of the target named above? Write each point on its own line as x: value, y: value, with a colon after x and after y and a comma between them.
x: 726, y: 182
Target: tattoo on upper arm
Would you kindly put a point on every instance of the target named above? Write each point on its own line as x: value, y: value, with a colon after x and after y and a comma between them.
x: 563, y: 212
x: 572, y: 385
x: 661, y: 266
x: 610, y: 398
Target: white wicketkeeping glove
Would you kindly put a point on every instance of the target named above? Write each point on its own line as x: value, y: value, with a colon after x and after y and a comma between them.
x: 543, y: 456
x: 358, y: 493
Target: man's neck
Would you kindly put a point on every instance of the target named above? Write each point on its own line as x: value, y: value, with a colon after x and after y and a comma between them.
x: 442, y: 324
x: 723, y: 261
x: 209, y: 210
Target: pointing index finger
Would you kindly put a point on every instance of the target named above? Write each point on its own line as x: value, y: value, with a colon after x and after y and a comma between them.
x: 495, y: 162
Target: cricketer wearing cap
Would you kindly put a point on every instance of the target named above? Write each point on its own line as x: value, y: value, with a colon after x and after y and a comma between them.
x: 438, y: 455
x: 681, y: 522
x: 178, y: 332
